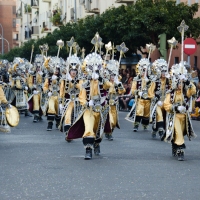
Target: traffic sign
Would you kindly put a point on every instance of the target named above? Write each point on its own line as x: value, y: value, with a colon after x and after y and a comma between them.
x: 190, y: 46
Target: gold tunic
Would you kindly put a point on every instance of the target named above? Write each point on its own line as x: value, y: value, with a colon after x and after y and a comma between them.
x: 91, y: 119
x: 143, y: 105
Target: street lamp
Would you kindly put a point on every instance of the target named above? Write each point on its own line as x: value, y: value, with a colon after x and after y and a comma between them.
x: 6, y: 41
x: 26, y: 5
x: 2, y: 39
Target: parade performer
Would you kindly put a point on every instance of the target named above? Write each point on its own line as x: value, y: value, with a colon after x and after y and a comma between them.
x: 9, y: 114
x: 158, y: 114
x: 178, y: 104
x: 51, y: 91
x: 116, y: 89
x: 69, y: 91
x: 143, y: 90
x: 35, y: 81
x: 19, y: 84
x: 91, y: 120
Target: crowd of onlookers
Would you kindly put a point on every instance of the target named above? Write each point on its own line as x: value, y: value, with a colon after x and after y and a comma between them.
x: 126, y: 101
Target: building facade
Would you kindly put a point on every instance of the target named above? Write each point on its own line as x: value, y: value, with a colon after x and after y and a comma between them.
x: 8, y: 28
x: 37, y: 18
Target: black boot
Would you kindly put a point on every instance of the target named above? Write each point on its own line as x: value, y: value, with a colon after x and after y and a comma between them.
x: 173, y: 149
x: 50, y: 125
x: 96, y: 149
x: 35, y: 119
x: 88, y: 143
x: 57, y: 125
x: 153, y: 134
x: 57, y: 119
x: 180, y: 154
x: 88, y: 153
x: 28, y: 114
x: 136, y: 126
x: 145, y: 127
x: 161, y: 133
x: 110, y: 137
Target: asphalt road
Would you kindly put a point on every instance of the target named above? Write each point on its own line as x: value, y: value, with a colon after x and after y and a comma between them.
x: 36, y: 164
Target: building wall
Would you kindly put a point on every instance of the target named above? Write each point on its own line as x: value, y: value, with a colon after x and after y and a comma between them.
x: 70, y: 14
x: 7, y: 15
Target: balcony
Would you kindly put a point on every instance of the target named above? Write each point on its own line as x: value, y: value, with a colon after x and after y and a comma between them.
x: 35, y: 4
x: 35, y: 30
x: 18, y: 16
x: 125, y: 1
x: 46, y: 27
x: 94, y: 10
x: 46, y: 30
x: 92, y: 6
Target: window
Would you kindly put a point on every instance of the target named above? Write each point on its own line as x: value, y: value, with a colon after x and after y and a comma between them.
x: 14, y: 23
x: 14, y: 10
x: 176, y: 60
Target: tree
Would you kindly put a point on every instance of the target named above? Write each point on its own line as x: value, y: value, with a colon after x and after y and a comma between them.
x: 136, y: 25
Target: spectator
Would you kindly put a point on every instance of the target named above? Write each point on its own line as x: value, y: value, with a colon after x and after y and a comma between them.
x: 123, y: 75
x: 129, y: 79
x: 26, y: 32
x: 124, y: 100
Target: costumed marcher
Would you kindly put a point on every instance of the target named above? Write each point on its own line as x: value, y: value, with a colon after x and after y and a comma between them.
x: 69, y: 91
x: 51, y: 88
x: 159, y: 71
x: 91, y: 120
x: 116, y: 89
x: 9, y: 114
x: 178, y: 104
x: 18, y: 82
x: 143, y: 90
x: 35, y: 81
x: 5, y: 66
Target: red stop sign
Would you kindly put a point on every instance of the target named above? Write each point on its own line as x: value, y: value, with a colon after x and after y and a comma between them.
x: 190, y: 46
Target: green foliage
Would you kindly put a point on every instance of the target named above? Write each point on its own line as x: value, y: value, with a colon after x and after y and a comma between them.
x: 56, y: 19
x: 136, y: 25
x: 27, y: 7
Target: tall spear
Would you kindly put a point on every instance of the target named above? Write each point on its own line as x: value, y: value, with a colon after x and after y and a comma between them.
x: 108, y: 48
x: 70, y: 44
x: 76, y: 48
x: 60, y: 44
x: 41, y: 49
x: 83, y: 53
x: 182, y: 29
x: 122, y: 49
x: 172, y: 42
x: 32, y: 53
x: 45, y: 48
x: 97, y: 42
x: 150, y: 48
